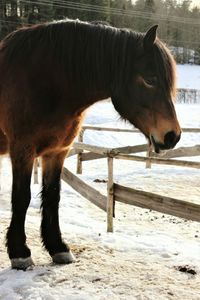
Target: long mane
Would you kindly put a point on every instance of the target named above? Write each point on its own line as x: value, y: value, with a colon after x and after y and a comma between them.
x: 165, y: 68
x: 91, y: 52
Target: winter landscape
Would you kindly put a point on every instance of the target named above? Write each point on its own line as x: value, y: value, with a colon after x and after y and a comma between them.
x: 149, y: 255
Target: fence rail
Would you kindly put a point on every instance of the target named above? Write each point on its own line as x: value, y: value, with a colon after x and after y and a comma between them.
x: 84, y: 189
x: 167, y: 205
x: 100, y: 128
x: 190, y: 96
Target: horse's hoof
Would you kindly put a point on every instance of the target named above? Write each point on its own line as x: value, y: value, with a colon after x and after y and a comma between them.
x: 21, y: 263
x: 63, y: 258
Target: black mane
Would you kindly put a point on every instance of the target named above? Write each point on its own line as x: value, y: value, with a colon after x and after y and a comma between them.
x: 166, y: 67
x: 91, y: 52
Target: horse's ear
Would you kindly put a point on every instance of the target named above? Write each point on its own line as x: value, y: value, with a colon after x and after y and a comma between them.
x: 150, y: 37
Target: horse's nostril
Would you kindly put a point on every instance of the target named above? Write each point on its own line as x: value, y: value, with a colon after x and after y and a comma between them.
x: 170, y: 139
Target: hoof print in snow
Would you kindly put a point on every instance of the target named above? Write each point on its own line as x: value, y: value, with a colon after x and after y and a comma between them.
x: 96, y: 280
x: 100, y: 180
x: 186, y: 269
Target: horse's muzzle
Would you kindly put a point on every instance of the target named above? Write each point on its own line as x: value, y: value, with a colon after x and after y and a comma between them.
x: 170, y: 141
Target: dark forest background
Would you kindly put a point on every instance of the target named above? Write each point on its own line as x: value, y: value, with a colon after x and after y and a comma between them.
x: 179, y: 23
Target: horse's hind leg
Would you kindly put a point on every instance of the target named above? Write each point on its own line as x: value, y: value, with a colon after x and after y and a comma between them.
x: 22, y: 162
x: 50, y: 231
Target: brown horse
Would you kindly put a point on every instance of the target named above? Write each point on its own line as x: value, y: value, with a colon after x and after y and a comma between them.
x: 49, y: 75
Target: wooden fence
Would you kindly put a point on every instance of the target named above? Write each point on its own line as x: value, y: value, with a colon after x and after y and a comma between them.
x: 189, y: 96
x: 123, y: 194
x: 94, y: 152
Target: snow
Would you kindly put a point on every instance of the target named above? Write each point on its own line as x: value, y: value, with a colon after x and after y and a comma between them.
x: 188, y: 76
x: 140, y: 260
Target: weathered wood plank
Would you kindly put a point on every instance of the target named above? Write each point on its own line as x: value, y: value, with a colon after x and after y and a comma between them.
x: 95, y: 149
x: 119, y: 155
x: 190, y: 130
x: 163, y: 204
x: 79, y: 167
x: 73, y: 152
x: 84, y: 189
x: 149, y: 154
x: 91, y: 156
x: 110, y: 151
x: 162, y: 161
x: 128, y: 149
x: 179, y: 152
x: 110, y: 196
x: 91, y: 127
x: 35, y: 171
x: 97, y: 128
x: 131, y: 149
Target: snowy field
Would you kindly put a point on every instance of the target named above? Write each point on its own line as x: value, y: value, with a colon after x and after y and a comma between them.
x: 188, y: 77
x: 142, y: 259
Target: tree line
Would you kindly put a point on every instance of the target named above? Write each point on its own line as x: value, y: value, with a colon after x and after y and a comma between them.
x: 179, y: 22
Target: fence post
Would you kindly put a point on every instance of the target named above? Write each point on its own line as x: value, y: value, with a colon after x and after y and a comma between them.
x: 35, y: 170
x: 0, y: 171
x: 149, y: 153
x: 110, y: 196
x: 195, y: 96
x: 79, y: 169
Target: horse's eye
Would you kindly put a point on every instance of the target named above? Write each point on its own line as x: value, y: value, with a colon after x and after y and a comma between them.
x: 151, y: 80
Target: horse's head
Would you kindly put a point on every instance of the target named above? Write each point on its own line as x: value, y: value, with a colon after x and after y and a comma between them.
x: 146, y: 97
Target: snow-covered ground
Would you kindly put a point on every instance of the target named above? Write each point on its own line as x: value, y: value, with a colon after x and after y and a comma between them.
x: 141, y: 259
x: 188, y: 76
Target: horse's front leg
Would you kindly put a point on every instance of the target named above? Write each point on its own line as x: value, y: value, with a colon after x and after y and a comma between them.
x: 50, y: 230
x: 22, y: 162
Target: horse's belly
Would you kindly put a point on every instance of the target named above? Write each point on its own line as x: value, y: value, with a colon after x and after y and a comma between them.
x: 58, y: 140
x: 46, y: 147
